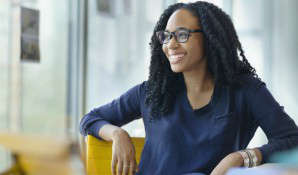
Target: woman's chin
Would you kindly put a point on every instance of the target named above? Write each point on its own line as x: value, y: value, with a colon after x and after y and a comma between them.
x: 176, y: 69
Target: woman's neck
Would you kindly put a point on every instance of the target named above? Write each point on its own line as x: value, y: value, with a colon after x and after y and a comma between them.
x: 198, y: 81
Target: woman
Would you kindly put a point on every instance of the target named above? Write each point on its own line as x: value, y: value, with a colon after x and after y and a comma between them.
x: 201, y: 104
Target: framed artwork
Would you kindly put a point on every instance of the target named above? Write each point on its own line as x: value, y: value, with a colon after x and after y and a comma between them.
x: 106, y: 7
x: 30, y: 50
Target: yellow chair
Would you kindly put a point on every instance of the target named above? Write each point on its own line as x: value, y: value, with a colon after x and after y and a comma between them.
x: 99, y: 154
x: 40, y: 155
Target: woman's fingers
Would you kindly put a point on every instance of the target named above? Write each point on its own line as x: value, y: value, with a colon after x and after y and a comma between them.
x: 136, y: 169
x: 123, y: 155
x: 126, y: 167
x: 132, y: 168
x: 113, y: 166
x: 120, y: 167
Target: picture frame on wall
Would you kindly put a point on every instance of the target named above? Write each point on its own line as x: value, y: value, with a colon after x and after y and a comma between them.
x: 30, y: 49
x: 106, y: 7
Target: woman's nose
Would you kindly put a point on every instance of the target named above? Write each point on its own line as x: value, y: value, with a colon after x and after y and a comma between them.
x: 173, y: 44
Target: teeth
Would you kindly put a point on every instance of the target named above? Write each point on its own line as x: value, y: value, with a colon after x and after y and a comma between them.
x: 176, y: 56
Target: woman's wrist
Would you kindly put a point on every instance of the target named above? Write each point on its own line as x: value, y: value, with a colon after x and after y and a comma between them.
x: 237, y: 159
x: 118, y: 133
x: 251, y: 157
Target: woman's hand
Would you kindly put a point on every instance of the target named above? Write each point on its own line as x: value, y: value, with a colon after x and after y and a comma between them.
x: 123, y: 154
x: 232, y: 160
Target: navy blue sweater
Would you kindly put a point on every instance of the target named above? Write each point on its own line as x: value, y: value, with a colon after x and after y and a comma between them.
x: 187, y: 140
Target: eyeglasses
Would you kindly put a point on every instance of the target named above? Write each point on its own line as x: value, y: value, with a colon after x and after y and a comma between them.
x: 181, y: 35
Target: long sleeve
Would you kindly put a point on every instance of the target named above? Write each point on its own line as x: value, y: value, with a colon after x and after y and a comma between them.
x: 280, y: 129
x: 119, y: 112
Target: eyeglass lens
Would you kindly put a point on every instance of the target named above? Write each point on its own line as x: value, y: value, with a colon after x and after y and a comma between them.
x: 180, y: 35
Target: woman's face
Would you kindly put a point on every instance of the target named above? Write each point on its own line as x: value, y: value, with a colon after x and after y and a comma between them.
x: 188, y: 56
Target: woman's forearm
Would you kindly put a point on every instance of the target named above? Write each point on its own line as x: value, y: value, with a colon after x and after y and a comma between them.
x: 234, y: 159
x: 108, y: 132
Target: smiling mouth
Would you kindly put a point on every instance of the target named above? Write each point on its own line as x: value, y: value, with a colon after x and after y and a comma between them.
x: 174, y: 59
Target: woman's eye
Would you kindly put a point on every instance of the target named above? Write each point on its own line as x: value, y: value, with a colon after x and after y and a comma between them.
x: 182, y: 35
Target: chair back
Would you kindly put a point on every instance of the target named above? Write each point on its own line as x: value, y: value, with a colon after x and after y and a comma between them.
x: 99, y: 154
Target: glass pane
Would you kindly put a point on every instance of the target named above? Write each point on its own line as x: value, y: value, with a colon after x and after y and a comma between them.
x: 4, y: 38
x: 44, y: 84
x: 243, y: 17
x: 253, y: 48
x: 155, y: 10
x: 118, y: 51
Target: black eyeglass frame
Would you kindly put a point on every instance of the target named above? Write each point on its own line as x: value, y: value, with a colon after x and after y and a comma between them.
x: 189, y: 31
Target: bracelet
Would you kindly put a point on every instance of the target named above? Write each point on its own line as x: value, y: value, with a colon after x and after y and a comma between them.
x: 254, y: 157
x: 250, y: 158
x: 245, y: 158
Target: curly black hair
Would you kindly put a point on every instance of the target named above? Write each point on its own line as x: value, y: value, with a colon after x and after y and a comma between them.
x: 222, y: 48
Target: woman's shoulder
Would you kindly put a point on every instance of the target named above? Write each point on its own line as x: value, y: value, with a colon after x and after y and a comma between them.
x: 250, y: 82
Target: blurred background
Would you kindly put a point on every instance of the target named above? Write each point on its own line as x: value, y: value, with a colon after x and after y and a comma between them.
x: 92, y: 51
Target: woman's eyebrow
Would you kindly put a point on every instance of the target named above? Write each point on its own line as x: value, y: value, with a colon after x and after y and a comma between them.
x: 177, y: 28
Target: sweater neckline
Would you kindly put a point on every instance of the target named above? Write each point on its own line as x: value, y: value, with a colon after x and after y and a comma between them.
x: 205, y: 108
